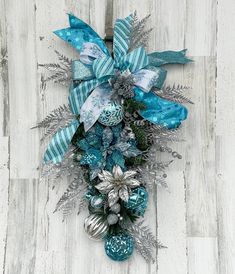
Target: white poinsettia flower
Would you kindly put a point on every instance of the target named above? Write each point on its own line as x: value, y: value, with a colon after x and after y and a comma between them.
x: 117, y: 184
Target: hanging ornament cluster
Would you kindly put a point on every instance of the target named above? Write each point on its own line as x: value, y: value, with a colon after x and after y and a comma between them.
x: 119, y: 116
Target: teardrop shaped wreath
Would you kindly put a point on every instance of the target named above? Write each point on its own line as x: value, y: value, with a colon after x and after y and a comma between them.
x: 119, y: 116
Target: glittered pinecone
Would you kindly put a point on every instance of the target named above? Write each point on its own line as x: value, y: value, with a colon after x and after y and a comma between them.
x: 119, y: 247
x: 122, y: 85
x: 128, y: 93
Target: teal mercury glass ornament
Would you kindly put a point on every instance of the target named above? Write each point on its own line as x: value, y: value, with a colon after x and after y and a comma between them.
x: 111, y: 115
x: 119, y: 247
x: 138, y: 201
x: 97, y: 201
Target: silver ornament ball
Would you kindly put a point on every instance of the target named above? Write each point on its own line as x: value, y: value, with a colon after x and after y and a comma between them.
x: 112, y: 219
x: 96, y: 227
x: 115, y: 208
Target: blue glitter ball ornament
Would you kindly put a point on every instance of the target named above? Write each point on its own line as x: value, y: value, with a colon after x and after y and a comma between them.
x: 111, y: 115
x: 138, y: 201
x: 119, y: 247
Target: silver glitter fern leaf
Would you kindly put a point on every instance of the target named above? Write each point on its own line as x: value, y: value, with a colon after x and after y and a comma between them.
x: 139, y: 35
x: 57, y: 119
x: 69, y: 167
x: 72, y: 196
x: 174, y: 93
x: 145, y: 241
x: 61, y: 71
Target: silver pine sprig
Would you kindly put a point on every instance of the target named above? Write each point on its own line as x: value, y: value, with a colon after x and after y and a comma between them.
x: 69, y: 167
x: 61, y: 71
x: 145, y: 241
x: 139, y: 35
x: 72, y: 197
x: 173, y: 93
x: 57, y: 119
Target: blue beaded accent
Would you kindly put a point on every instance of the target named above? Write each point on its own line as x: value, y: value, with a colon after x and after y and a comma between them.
x: 138, y: 201
x: 119, y: 247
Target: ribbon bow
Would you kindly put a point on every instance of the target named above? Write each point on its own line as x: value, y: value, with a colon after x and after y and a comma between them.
x: 96, y: 67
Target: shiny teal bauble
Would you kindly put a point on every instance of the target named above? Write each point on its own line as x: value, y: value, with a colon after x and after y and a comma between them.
x: 119, y: 247
x: 97, y: 201
x: 138, y: 201
x: 111, y: 115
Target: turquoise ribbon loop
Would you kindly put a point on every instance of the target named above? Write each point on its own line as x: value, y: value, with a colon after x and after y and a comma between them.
x: 103, y: 67
x: 134, y: 61
x: 159, y: 111
x: 121, y: 39
x: 81, y: 71
x: 79, y: 33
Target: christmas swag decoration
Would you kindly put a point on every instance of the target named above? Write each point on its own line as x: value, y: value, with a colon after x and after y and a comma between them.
x: 106, y: 140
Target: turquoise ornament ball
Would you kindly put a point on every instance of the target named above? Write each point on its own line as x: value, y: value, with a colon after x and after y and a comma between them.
x: 111, y: 115
x: 119, y: 247
x: 138, y: 201
x: 97, y: 201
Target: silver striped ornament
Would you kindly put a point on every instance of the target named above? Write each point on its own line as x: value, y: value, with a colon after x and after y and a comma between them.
x: 96, y: 226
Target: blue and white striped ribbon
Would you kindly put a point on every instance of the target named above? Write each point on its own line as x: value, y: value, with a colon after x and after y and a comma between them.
x: 103, y: 67
x: 60, y: 142
x: 79, y: 94
x: 121, y: 39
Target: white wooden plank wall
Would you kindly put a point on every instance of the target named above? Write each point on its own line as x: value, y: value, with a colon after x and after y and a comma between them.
x: 196, y: 218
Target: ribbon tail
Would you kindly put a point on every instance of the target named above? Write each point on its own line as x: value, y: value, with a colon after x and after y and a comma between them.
x: 60, y: 143
x: 168, y: 57
x: 79, y: 33
x: 94, y: 105
x: 79, y: 94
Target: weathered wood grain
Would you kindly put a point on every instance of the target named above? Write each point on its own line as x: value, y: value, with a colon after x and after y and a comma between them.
x: 4, y: 179
x: 22, y: 67
x: 21, y: 245
x: 4, y: 89
x: 200, y: 27
x: 200, y: 150
x: 169, y: 33
x: 196, y: 219
x: 225, y: 131
x: 203, y: 256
